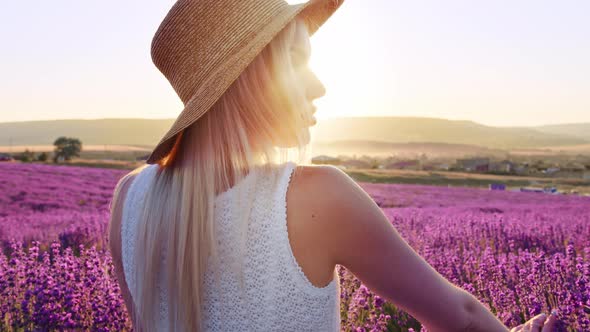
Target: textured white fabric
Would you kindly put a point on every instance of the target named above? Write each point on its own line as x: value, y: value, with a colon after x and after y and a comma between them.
x: 278, y: 296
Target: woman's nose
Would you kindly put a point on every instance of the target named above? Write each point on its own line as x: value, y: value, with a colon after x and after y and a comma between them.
x: 316, y: 88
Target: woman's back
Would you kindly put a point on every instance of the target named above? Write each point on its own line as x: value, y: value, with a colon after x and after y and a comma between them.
x: 278, y: 295
x: 331, y: 220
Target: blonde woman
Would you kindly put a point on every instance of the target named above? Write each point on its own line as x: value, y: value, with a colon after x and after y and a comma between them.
x: 227, y: 228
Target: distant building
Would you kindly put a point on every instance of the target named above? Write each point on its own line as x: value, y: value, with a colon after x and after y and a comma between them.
x: 443, y: 166
x: 474, y: 164
x: 504, y: 166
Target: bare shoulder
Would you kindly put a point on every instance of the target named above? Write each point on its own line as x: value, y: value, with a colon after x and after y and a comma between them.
x: 326, y: 186
x: 336, y: 204
x: 318, y: 175
x: 321, y: 188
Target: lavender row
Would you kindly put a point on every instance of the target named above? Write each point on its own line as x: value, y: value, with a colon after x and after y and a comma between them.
x: 51, y: 202
x: 518, y: 253
x: 500, y: 260
x: 57, y: 291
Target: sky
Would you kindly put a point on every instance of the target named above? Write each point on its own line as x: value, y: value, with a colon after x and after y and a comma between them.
x: 498, y: 63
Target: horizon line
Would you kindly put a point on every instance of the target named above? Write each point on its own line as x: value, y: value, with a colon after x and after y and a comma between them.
x: 319, y: 120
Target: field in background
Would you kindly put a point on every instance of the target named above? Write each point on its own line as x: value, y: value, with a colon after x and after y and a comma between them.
x: 518, y: 253
x: 436, y: 178
x: 126, y: 157
x: 462, y: 179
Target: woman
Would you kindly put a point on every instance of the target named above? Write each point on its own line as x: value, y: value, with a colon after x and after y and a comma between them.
x: 222, y: 230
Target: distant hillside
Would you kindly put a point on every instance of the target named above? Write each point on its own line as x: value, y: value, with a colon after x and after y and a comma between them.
x: 143, y: 132
x: 579, y: 130
x: 378, y: 130
x: 417, y: 129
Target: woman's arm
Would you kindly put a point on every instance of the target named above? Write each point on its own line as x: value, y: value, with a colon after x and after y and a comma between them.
x: 361, y: 238
x: 481, y: 318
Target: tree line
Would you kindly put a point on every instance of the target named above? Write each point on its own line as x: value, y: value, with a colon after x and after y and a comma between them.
x: 65, y: 148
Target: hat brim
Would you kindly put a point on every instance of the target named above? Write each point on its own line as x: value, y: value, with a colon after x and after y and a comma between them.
x: 314, y: 13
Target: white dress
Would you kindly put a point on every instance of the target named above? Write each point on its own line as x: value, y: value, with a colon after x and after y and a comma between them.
x: 278, y: 295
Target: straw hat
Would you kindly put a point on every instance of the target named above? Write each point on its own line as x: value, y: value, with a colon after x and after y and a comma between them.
x: 202, y: 46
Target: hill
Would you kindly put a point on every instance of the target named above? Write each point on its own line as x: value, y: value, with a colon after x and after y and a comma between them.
x: 418, y: 129
x: 579, y: 130
x: 141, y: 132
x: 362, y: 131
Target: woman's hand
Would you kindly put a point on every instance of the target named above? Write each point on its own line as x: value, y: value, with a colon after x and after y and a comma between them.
x: 539, y: 323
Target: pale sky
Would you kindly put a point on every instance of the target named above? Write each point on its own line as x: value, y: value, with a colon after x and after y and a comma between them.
x: 500, y: 63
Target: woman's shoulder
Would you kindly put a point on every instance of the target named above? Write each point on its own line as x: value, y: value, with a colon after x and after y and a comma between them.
x: 312, y: 179
x: 329, y: 189
x: 326, y: 201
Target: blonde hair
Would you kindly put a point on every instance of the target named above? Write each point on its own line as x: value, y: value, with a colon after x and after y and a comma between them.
x: 256, y: 123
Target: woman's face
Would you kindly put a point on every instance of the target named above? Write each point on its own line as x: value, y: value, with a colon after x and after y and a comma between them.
x: 304, y: 76
x: 305, y: 82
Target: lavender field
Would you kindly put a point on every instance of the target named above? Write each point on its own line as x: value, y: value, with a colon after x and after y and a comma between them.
x: 518, y: 253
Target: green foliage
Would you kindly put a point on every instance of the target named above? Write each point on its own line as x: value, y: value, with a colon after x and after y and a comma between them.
x: 26, y: 156
x: 43, y: 156
x: 66, y: 148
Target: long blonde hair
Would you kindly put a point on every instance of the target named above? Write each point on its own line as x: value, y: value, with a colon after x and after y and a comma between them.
x: 245, y: 129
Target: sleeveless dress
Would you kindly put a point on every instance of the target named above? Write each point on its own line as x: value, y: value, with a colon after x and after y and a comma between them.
x: 278, y: 295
